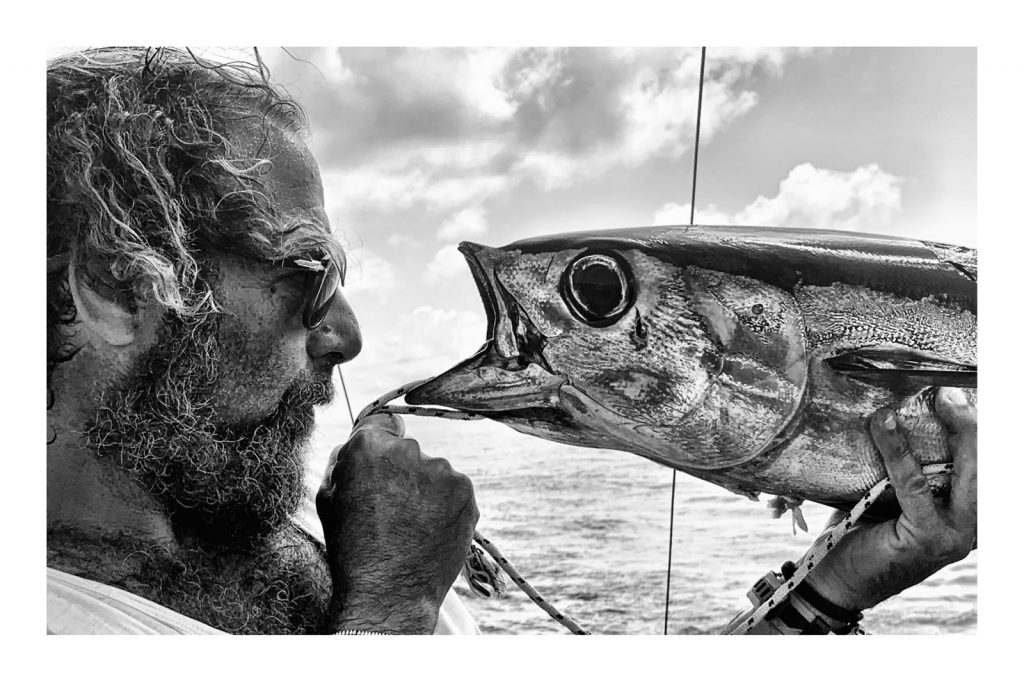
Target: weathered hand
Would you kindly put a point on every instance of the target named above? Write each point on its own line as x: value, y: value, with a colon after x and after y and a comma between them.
x: 398, y: 526
x: 875, y: 562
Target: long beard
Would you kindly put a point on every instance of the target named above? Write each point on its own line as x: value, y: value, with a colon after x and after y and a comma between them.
x: 220, y: 482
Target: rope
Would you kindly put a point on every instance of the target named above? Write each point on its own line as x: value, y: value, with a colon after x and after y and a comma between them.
x: 380, y: 405
x: 822, y: 545
x: 551, y: 610
x: 693, y: 204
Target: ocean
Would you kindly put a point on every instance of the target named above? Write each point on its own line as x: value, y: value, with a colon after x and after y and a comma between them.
x: 589, y: 530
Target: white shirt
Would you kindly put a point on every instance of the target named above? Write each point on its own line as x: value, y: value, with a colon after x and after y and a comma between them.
x: 82, y: 606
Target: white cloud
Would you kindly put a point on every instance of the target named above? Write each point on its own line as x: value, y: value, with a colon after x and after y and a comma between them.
x: 466, y: 223
x: 429, y: 319
x: 772, y: 58
x: 368, y: 273
x: 446, y: 264
x: 549, y: 170
x: 401, y: 240
x: 392, y: 190
x: 403, y: 346
x: 447, y: 129
x: 476, y: 84
x: 867, y: 198
x: 660, y: 113
x: 334, y: 68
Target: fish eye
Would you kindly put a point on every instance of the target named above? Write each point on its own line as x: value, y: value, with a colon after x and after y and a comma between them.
x: 598, y: 288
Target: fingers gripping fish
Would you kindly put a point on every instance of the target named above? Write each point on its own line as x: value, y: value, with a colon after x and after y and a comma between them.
x: 748, y: 357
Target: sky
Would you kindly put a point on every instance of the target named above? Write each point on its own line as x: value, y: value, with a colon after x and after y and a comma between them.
x: 422, y: 148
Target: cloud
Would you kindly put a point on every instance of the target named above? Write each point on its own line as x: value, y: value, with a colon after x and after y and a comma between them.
x: 430, y: 319
x: 368, y: 273
x: 867, y: 198
x: 448, y: 129
x: 812, y: 197
x: 411, y: 345
x: 469, y: 222
x: 401, y: 240
x: 447, y: 263
x: 388, y: 190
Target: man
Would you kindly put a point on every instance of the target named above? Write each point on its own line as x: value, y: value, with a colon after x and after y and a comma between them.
x: 193, y: 322
x: 186, y: 351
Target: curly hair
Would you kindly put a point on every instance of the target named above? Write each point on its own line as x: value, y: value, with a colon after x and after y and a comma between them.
x: 143, y: 181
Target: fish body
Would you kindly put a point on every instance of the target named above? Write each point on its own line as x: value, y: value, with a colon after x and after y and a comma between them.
x: 748, y: 357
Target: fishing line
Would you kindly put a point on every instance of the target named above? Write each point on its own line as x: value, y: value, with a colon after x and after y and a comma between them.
x: 696, y: 137
x: 344, y: 390
x: 693, y: 204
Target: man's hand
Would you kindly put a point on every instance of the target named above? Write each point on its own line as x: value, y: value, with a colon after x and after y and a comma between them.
x: 875, y: 562
x: 398, y: 526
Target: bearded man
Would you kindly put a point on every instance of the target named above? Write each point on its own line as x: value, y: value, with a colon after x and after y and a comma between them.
x: 193, y: 323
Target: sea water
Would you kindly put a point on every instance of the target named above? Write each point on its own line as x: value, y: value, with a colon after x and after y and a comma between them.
x: 589, y: 530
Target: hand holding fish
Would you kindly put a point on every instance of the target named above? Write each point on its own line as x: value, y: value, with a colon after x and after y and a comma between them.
x: 397, y: 525
x: 875, y: 562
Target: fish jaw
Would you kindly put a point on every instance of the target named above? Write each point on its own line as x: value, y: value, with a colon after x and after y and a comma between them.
x: 489, y: 383
x: 509, y: 372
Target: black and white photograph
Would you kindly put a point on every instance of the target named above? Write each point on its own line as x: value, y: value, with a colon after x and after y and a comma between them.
x: 512, y: 340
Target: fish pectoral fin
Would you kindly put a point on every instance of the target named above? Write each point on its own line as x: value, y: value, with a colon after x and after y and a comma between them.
x: 890, y: 365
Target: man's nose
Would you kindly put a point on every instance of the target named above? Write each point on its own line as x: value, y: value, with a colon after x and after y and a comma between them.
x: 338, y: 338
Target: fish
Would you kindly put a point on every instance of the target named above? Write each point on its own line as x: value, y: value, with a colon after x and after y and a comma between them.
x: 749, y: 357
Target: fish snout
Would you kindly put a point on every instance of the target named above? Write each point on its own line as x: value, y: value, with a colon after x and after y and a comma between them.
x: 487, y: 383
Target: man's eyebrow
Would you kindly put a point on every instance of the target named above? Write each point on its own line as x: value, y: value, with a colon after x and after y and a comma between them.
x: 309, y: 237
x: 317, y: 251
x: 308, y: 252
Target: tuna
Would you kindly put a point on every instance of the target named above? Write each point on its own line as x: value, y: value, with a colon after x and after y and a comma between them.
x: 749, y: 357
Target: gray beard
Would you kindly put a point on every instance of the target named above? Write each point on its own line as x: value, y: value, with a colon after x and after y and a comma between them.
x: 282, y: 586
x: 229, y: 491
x: 220, y: 483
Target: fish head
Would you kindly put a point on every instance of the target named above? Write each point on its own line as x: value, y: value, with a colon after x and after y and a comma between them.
x: 601, y: 343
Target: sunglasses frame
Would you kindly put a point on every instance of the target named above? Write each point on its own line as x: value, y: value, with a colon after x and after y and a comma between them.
x: 318, y: 284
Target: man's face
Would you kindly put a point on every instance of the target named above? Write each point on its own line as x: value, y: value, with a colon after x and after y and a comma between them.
x: 214, y: 418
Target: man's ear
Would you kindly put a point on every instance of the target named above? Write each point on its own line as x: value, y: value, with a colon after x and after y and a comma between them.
x: 99, y: 310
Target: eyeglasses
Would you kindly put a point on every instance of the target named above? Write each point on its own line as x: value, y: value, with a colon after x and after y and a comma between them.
x: 322, y: 286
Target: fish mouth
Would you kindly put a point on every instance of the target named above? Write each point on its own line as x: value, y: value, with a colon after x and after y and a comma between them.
x: 509, y: 372
x: 470, y: 251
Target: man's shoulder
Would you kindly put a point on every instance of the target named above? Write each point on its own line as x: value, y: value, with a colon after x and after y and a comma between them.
x: 82, y: 606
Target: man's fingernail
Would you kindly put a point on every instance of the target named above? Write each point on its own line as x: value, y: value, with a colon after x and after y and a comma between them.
x: 889, y: 421
x: 956, y: 397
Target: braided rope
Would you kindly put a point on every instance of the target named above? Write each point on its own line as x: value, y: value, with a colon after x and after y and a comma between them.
x: 822, y: 545
x: 511, y: 571
x: 380, y: 405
